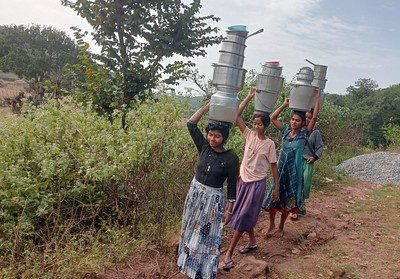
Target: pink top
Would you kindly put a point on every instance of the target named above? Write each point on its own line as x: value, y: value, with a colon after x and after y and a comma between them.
x: 258, y: 154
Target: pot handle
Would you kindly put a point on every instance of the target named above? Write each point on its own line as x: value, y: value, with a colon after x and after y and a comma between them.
x: 310, y: 62
x: 255, y: 33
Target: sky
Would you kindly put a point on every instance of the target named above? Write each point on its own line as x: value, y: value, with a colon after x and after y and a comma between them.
x: 354, y: 38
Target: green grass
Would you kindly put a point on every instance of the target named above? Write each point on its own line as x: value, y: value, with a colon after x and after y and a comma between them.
x: 326, y: 166
x: 78, y: 257
x: 8, y: 75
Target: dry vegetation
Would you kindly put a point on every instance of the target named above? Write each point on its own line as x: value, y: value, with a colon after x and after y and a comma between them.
x: 10, y: 86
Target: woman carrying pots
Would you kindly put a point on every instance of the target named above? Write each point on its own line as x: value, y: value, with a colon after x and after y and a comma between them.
x: 259, y: 154
x: 204, y: 212
x: 290, y: 166
x: 312, y: 152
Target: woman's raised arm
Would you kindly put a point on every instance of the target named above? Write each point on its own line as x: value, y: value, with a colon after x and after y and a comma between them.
x: 274, y: 117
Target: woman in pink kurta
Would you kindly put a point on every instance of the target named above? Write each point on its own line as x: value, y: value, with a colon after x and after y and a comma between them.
x: 259, y: 155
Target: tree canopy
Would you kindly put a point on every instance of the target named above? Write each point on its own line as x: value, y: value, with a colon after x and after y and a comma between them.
x: 372, y: 109
x: 136, y: 38
x: 35, y: 52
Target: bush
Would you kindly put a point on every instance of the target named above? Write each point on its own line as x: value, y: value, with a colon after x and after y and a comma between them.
x: 392, y: 134
x: 66, y: 170
x: 336, y: 127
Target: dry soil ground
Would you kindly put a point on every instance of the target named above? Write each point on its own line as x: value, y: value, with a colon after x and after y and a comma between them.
x: 352, y: 230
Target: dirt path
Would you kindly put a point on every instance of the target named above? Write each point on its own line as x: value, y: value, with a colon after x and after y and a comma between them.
x: 352, y: 230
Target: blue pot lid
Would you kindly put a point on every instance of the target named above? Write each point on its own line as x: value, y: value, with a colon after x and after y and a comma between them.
x: 237, y: 28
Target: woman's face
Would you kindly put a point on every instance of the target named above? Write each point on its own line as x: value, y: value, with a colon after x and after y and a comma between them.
x: 308, y: 117
x: 295, y: 122
x: 258, y: 125
x: 214, y: 138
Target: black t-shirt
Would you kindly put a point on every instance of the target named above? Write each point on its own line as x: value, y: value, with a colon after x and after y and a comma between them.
x: 214, y: 167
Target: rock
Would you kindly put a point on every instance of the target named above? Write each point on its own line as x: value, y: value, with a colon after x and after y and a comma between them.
x: 312, y: 235
x: 340, y: 273
x: 379, y: 167
x: 255, y: 268
x: 296, y: 251
x: 330, y: 273
x: 172, y: 243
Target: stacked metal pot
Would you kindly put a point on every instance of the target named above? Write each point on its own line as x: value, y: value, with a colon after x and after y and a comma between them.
x: 302, y: 94
x: 269, y: 86
x: 319, y: 80
x: 228, y: 77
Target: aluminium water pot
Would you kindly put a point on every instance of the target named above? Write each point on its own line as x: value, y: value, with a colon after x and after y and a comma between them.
x: 321, y: 83
x: 305, y: 76
x: 235, y: 38
x: 231, y: 46
x: 320, y: 71
x: 224, y: 107
x: 302, y: 97
x: 230, y: 58
x: 265, y: 101
x: 272, y: 69
x: 228, y: 76
x: 269, y: 83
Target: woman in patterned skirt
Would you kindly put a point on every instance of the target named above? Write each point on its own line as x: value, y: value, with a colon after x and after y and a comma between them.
x: 204, y: 213
x: 290, y: 166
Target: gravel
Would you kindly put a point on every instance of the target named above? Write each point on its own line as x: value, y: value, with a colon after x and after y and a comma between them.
x: 380, y: 168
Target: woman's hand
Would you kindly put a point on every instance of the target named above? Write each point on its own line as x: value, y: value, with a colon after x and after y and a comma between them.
x: 252, y: 92
x: 199, y: 113
x: 311, y: 160
x: 317, y: 92
x: 286, y: 102
x: 275, y: 194
x: 226, y: 218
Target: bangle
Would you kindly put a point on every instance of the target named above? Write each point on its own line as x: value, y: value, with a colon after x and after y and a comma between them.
x: 230, y: 213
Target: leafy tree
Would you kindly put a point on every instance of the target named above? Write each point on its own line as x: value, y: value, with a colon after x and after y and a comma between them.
x: 363, y: 88
x: 137, y: 36
x: 35, y: 52
x: 372, y: 109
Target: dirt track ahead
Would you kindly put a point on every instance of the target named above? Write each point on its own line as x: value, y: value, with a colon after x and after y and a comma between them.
x: 352, y: 230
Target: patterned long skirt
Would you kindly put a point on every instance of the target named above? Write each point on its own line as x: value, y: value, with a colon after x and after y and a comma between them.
x: 291, y: 187
x: 201, y: 233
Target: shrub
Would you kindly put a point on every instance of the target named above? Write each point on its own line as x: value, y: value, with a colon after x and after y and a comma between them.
x: 392, y: 134
x: 66, y: 170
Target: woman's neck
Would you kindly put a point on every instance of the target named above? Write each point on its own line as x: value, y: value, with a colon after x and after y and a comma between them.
x: 219, y: 148
x: 295, y: 132
x: 261, y: 136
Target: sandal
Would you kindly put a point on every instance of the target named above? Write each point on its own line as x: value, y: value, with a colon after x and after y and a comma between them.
x: 228, y: 265
x: 248, y: 249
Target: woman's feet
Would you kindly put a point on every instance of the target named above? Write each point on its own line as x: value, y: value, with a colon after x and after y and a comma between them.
x: 270, y: 233
x: 228, y: 264
x: 274, y: 232
x: 293, y: 216
x: 280, y: 233
x: 248, y: 249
